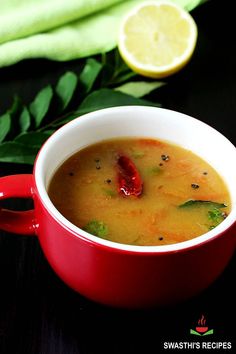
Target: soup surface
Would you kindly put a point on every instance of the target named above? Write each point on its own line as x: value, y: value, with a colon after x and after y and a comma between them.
x: 140, y: 192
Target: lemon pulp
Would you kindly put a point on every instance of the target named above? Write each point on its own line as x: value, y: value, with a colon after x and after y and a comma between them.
x: 157, y: 39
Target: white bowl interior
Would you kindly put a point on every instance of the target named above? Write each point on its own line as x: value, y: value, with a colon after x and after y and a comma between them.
x: 138, y: 121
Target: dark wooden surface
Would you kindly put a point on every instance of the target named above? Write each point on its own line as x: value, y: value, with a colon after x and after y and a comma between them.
x: 41, y: 315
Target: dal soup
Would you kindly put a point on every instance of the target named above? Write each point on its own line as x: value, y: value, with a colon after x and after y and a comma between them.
x: 140, y: 191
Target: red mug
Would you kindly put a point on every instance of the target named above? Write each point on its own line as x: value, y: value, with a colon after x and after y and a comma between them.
x: 112, y: 273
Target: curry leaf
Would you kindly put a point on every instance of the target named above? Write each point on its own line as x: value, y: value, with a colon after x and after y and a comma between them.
x: 11, y: 151
x: 115, y: 71
x: 139, y: 88
x: 14, y: 112
x: 16, y: 106
x: 105, y: 98
x: 24, y: 120
x: 39, y: 107
x: 193, y: 203
x: 33, y: 138
x: 89, y: 74
x: 66, y: 87
x: 5, y: 125
x: 22, y: 131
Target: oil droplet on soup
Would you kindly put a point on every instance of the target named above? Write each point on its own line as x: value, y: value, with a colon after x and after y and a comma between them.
x: 180, y: 195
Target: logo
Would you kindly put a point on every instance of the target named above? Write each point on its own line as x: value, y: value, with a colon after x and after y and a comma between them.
x: 201, y: 342
x: 201, y: 329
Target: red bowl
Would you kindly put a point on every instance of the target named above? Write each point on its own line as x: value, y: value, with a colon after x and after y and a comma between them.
x: 108, y: 272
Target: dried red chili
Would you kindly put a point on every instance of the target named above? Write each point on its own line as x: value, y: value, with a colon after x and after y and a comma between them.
x: 129, y: 179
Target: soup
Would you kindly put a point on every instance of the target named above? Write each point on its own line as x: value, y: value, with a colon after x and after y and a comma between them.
x: 140, y: 191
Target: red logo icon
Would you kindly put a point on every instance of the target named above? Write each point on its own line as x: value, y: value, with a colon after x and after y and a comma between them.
x: 201, y: 329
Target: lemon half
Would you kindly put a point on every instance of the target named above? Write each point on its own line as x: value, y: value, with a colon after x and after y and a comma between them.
x: 157, y: 38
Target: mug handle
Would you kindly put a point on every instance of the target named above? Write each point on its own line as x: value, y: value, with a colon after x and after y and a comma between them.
x: 19, y: 222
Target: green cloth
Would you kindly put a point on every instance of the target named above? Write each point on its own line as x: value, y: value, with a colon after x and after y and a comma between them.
x: 62, y: 29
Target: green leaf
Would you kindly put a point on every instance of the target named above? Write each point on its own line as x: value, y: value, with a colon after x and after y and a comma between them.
x: 16, y: 152
x: 39, y: 107
x: 211, y: 331
x: 97, y: 228
x: 14, y: 112
x: 24, y: 120
x: 33, y: 138
x: 193, y: 203
x: 139, y: 88
x: 89, y: 73
x: 105, y: 98
x: 192, y: 331
x: 5, y: 125
x: 22, y: 145
x: 115, y: 71
x: 66, y: 87
x: 120, y: 65
x: 16, y: 105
